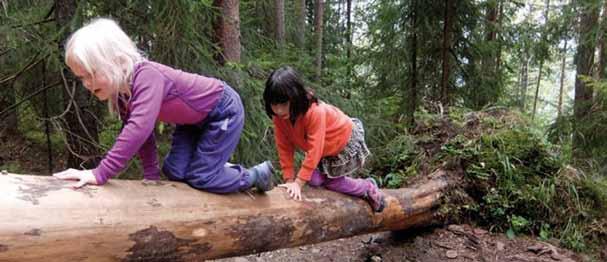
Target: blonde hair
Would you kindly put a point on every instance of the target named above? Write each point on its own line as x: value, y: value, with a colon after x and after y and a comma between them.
x: 102, y: 46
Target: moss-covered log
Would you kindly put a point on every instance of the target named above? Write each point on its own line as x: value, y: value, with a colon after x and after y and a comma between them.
x: 42, y: 218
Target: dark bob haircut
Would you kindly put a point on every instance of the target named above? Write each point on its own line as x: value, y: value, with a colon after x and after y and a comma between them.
x: 285, y: 85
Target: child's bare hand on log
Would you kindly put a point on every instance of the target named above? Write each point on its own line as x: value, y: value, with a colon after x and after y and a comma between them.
x: 294, y: 188
x: 84, y: 177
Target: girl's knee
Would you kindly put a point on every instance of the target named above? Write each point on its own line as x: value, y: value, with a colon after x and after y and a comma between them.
x: 317, y: 179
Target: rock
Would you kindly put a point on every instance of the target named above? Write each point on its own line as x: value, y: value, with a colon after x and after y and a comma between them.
x: 451, y: 254
x: 315, y: 250
x: 376, y: 259
x: 556, y: 256
x: 240, y: 259
x: 535, y: 248
x: 500, y: 246
x: 456, y: 229
x: 368, y: 241
x: 479, y: 231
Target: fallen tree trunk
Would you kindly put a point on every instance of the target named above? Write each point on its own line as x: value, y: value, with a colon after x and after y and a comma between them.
x: 42, y: 218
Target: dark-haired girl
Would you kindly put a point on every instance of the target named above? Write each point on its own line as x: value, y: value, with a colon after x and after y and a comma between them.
x: 334, y: 144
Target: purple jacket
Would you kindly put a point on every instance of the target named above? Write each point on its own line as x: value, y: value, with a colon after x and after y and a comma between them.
x: 158, y: 92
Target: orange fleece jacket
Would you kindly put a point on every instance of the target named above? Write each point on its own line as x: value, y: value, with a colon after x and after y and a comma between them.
x: 323, y: 130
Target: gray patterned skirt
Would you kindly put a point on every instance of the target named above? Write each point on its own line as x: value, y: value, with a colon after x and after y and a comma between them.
x: 351, y: 158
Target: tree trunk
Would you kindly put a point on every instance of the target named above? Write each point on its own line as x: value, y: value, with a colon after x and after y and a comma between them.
x: 47, y: 126
x: 537, y: 89
x: 279, y: 9
x: 588, y: 15
x: 412, y: 85
x: 318, y: 28
x: 349, y: 41
x: 227, y: 31
x: 526, y: 61
x: 498, y: 55
x: 81, y: 127
x: 349, y: 29
x: 130, y: 221
x: 542, y: 58
x: 487, y: 90
x: 562, y: 82
x: 602, y: 44
x: 524, y: 81
x: 450, y: 6
x: 10, y: 121
x: 519, y: 84
x: 300, y: 23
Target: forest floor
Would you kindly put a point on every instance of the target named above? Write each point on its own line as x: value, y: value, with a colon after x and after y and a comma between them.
x: 457, y: 243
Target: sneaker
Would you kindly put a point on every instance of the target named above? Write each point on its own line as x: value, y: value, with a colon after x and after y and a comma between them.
x: 375, y: 197
x: 263, y: 176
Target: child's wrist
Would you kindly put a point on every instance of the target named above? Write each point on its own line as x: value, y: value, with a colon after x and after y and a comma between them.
x: 300, y: 182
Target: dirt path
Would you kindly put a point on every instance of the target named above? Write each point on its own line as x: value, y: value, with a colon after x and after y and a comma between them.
x: 455, y: 243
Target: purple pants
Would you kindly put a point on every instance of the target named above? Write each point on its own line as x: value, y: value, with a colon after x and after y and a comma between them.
x: 350, y: 186
x: 199, y: 152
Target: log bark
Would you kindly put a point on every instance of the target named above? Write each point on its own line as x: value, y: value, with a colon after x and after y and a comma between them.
x: 42, y: 218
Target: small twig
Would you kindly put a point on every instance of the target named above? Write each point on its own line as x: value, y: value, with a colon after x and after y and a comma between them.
x: 5, y: 6
x: 67, y: 109
x: 5, y: 51
x: 248, y: 192
x: 76, y: 108
x: 69, y: 147
x: 443, y: 245
x: 265, y: 134
x: 50, y: 11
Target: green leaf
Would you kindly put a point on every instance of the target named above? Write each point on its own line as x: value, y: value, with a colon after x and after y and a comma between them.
x: 510, y: 233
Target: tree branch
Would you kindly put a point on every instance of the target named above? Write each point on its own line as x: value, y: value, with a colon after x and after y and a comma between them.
x: 47, y: 20
x: 10, y: 108
x: 29, y: 66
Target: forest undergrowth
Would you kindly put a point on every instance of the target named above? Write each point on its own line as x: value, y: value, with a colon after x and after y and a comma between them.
x: 510, y: 178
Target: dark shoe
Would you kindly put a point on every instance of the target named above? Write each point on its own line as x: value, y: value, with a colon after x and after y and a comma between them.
x: 375, y: 197
x: 263, y: 176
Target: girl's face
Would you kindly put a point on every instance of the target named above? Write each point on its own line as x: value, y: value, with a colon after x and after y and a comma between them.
x: 281, y: 110
x: 96, y: 82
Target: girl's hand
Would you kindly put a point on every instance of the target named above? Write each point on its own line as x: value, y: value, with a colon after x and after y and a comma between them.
x: 83, y: 176
x: 294, y: 190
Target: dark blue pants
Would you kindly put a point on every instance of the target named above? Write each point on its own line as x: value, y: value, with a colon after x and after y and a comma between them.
x: 199, y: 153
